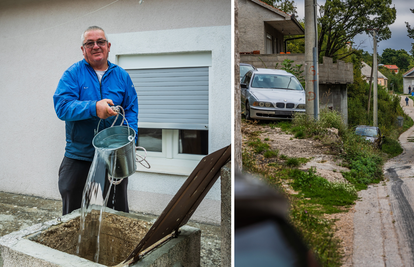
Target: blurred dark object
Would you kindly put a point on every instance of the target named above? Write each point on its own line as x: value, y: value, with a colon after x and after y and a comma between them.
x: 263, y: 235
x: 371, y: 134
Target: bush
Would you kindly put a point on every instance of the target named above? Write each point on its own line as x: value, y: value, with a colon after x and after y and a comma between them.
x: 391, y: 147
x: 271, y: 153
x: 292, y: 162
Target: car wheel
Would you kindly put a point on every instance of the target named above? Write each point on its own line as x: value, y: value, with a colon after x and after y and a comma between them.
x: 248, y: 111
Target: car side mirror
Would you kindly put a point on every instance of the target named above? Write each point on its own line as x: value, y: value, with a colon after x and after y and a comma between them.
x: 243, y: 85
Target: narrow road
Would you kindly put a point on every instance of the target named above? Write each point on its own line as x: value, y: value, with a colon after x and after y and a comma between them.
x: 384, y: 218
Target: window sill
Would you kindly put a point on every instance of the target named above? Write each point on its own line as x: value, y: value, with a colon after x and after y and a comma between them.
x: 169, y: 166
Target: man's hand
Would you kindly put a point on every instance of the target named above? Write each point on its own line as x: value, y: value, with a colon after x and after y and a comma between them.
x: 103, y: 110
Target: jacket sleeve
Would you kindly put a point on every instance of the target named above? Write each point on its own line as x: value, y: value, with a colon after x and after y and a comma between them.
x: 68, y: 107
x: 130, y: 103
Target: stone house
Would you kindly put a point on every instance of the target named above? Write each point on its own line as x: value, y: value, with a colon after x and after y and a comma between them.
x: 262, y: 42
x: 366, y: 75
x: 262, y: 28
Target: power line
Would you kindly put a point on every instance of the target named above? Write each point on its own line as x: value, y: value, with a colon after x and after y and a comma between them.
x: 67, y: 22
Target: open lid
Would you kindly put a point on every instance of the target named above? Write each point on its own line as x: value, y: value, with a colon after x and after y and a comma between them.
x: 185, y: 202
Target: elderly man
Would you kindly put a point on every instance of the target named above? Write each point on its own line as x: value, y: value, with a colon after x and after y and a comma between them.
x: 83, y: 97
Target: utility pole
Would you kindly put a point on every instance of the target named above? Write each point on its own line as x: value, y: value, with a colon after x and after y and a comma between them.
x: 311, y: 60
x: 375, y: 70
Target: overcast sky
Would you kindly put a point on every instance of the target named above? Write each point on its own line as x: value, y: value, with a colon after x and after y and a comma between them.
x: 399, y: 39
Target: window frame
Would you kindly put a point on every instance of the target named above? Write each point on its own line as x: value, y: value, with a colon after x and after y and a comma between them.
x: 169, y: 161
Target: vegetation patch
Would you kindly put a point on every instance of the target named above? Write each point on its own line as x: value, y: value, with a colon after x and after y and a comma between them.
x: 320, y: 191
x: 315, y: 196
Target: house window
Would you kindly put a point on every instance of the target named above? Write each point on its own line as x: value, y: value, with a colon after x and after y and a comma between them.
x: 193, y: 142
x: 173, y: 102
x: 151, y: 139
x: 275, y: 50
x: 269, y: 44
x: 173, y: 143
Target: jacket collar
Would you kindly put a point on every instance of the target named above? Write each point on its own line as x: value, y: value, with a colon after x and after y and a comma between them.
x: 110, y: 65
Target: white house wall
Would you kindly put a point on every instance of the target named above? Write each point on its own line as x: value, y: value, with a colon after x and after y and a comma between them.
x: 407, y: 81
x: 41, y: 39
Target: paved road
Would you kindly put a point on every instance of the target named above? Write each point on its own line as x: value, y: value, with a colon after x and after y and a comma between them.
x: 384, y: 218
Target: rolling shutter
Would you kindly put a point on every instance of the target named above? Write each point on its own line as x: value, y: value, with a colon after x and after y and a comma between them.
x: 172, y: 98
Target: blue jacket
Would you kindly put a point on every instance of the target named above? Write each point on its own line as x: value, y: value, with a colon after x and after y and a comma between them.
x: 75, y: 103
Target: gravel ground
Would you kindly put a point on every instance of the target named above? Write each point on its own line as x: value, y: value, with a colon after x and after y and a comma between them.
x: 20, y: 211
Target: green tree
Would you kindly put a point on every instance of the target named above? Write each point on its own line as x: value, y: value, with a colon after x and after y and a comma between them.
x: 297, y: 45
x: 367, y: 58
x: 410, y: 33
x: 342, y: 20
x: 397, y: 57
x: 395, y: 81
x: 287, y: 6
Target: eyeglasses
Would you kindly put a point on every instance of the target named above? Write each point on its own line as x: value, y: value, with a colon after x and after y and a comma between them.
x: 91, y: 44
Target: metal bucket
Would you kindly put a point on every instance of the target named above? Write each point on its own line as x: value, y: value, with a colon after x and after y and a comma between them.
x: 116, y: 145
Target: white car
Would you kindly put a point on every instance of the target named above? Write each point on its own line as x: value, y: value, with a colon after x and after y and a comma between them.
x: 269, y: 94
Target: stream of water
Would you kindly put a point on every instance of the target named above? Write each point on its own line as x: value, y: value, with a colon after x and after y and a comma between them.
x: 93, y: 193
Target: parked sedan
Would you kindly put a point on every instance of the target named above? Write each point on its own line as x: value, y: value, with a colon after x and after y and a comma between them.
x: 370, y: 133
x: 269, y: 94
x: 244, y: 68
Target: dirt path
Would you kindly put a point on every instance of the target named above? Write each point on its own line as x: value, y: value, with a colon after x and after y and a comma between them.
x: 384, y: 218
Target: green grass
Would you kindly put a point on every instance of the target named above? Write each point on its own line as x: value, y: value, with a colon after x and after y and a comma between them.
x: 319, y: 234
x: 285, y: 125
x: 293, y: 162
x: 391, y: 147
x: 271, y: 153
x: 321, y: 191
x: 258, y: 145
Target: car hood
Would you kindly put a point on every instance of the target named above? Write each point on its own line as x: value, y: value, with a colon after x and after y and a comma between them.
x: 370, y: 138
x: 279, y: 95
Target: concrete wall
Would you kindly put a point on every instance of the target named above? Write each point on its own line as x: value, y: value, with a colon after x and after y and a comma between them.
x: 335, y: 73
x: 329, y: 72
x: 270, y: 61
x: 252, y: 26
x: 41, y: 39
x: 334, y: 97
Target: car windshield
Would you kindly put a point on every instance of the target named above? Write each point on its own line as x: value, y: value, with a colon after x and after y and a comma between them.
x: 372, y: 132
x: 274, y: 81
x: 244, y: 69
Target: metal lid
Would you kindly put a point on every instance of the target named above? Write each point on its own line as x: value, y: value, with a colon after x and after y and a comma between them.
x: 185, y: 202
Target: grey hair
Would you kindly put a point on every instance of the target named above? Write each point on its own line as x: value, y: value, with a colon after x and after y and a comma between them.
x: 92, y: 28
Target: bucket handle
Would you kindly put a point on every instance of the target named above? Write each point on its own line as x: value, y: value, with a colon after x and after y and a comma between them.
x: 119, y: 110
x: 141, y: 159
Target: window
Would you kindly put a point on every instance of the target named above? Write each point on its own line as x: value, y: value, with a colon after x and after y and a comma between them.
x: 193, y: 142
x: 151, y: 139
x: 247, y: 77
x: 173, y: 151
x: 275, y: 48
x: 190, y: 142
x: 269, y: 48
x: 173, y: 105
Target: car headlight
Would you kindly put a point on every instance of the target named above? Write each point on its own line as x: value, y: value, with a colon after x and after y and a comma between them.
x: 301, y: 106
x: 262, y: 104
